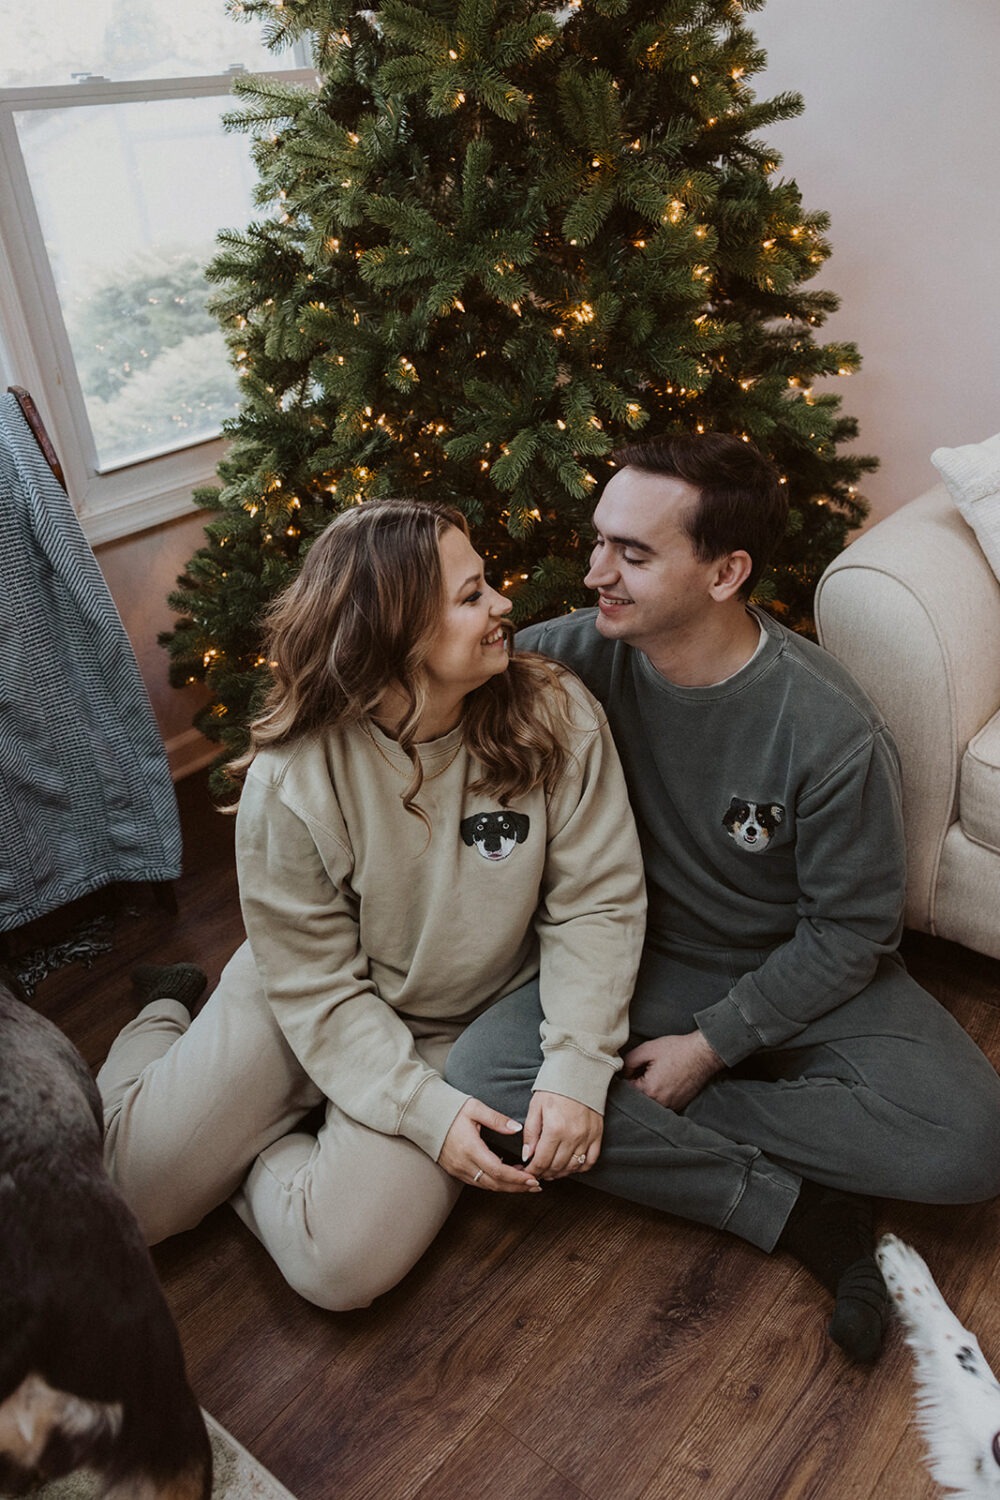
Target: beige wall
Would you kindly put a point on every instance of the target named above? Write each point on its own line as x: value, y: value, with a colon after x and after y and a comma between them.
x: 140, y: 572
x: 900, y: 143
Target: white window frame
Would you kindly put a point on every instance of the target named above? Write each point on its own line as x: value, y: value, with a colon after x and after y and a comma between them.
x: 34, y: 346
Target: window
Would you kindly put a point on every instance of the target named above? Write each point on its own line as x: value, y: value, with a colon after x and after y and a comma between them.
x: 120, y: 175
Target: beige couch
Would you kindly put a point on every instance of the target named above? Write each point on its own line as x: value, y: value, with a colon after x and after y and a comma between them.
x: 912, y: 608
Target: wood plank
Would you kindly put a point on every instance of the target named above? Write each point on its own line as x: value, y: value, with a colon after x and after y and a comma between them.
x: 491, y: 1461
x: 788, y: 1413
x: 611, y: 1405
x: 435, y: 1356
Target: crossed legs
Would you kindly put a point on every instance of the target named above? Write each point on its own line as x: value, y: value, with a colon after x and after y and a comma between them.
x: 887, y: 1096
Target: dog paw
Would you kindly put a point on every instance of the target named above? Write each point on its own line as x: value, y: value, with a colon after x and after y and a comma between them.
x: 926, y: 1316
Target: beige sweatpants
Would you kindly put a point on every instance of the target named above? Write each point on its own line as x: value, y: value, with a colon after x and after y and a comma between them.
x: 197, y: 1112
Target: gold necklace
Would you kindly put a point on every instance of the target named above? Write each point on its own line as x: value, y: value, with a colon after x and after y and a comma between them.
x: 434, y: 774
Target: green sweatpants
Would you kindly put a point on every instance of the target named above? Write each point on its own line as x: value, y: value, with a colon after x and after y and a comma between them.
x: 886, y: 1096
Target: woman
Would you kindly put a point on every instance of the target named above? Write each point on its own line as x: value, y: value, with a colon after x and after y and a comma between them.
x: 427, y: 824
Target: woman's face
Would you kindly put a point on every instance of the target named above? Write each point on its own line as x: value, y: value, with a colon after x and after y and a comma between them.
x: 468, y: 646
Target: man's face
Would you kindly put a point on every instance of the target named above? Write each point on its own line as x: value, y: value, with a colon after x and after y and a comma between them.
x: 651, y: 585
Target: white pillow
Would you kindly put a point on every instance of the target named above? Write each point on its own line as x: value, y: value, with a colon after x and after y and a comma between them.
x: 972, y: 475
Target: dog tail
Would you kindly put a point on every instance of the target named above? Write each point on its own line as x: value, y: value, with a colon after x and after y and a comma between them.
x: 45, y: 1432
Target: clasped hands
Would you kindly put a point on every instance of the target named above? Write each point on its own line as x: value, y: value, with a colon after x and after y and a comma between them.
x: 563, y: 1137
x: 560, y: 1138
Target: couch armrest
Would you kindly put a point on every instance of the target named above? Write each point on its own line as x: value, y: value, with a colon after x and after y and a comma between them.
x: 912, y: 609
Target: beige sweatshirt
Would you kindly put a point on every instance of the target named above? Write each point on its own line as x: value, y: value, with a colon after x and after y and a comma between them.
x: 358, y: 918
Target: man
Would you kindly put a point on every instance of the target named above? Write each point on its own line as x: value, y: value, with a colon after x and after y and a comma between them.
x: 782, y: 1064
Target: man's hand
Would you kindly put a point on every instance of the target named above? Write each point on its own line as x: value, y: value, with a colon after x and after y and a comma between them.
x: 672, y: 1069
x: 561, y: 1137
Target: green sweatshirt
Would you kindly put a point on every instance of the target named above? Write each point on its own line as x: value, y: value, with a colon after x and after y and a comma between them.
x: 769, y: 812
x: 359, y: 918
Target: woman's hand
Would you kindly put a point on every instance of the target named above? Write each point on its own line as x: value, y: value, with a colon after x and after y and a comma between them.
x: 672, y: 1069
x: 561, y: 1137
x: 465, y: 1154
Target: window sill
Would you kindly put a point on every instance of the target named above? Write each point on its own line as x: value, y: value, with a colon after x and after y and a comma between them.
x: 144, y: 496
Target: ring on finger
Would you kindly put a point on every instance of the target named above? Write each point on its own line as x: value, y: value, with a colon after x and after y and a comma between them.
x: 581, y: 1161
x: 477, y: 1176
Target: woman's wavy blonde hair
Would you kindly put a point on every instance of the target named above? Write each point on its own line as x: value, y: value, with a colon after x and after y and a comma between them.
x: 359, y: 618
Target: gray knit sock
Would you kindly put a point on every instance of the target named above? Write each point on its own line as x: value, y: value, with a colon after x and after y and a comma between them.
x: 183, y: 982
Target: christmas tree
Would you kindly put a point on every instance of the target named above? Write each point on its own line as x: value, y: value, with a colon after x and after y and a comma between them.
x: 498, y: 239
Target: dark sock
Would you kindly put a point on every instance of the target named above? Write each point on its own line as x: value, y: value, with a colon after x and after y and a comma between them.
x: 832, y: 1234
x: 861, y: 1312
x: 183, y: 982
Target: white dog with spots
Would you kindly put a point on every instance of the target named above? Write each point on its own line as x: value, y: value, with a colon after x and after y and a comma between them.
x: 958, y: 1397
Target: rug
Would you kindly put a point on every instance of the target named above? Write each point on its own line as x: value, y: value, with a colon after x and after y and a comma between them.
x: 85, y: 942
x: 238, y: 1476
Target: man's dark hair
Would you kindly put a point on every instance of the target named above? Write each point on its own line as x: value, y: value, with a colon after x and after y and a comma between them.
x: 742, y: 504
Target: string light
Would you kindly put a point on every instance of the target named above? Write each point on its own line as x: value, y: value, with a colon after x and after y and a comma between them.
x: 365, y: 482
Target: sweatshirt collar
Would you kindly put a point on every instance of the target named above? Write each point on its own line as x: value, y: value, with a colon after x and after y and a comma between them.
x: 766, y: 653
x: 432, y: 753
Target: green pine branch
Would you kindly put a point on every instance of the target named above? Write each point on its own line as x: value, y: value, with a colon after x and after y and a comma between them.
x: 494, y: 243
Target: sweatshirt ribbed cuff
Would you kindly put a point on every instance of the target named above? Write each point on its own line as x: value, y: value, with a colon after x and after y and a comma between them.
x: 430, y: 1114
x: 727, y: 1032
x: 576, y: 1076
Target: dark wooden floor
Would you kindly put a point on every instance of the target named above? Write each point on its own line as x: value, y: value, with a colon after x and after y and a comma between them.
x: 546, y: 1348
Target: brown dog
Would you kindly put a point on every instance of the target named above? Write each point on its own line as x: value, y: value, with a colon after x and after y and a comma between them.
x: 91, y: 1369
